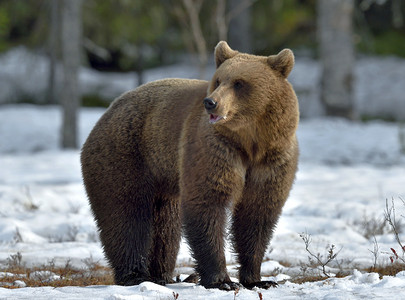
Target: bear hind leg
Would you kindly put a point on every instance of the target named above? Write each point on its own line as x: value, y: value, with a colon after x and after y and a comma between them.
x: 127, y: 239
x: 166, y: 239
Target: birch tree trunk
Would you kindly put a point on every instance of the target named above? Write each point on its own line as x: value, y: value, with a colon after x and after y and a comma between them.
x: 70, y: 95
x: 337, y: 56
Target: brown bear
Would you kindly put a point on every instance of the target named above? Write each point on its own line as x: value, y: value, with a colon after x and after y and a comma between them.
x: 180, y: 152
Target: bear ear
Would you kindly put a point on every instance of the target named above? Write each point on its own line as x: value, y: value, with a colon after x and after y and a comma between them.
x: 282, y: 62
x: 223, y: 52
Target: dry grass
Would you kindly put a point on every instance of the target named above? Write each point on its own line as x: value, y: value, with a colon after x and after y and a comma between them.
x: 387, y: 270
x: 308, y: 278
x: 53, y: 276
x: 99, y: 275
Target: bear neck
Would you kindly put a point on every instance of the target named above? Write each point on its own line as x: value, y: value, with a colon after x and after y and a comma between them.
x: 256, y: 142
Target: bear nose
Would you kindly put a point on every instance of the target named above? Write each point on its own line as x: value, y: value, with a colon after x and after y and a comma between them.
x: 209, y: 103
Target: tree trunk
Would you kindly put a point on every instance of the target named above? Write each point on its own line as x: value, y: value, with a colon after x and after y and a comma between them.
x: 335, y: 35
x: 70, y: 94
x: 53, y: 50
x: 220, y: 19
x: 239, y: 17
x: 139, y: 65
x: 193, y: 8
x: 397, y: 18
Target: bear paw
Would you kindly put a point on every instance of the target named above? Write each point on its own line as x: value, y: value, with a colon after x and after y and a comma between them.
x: 261, y: 284
x: 225, y: 286
x: 130, y: 281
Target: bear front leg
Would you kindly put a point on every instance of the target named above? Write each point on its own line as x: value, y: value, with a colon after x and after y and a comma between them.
x: 204, y: 203
x: 204, y: 229
x: 252, y: 228
x: 255, y: 217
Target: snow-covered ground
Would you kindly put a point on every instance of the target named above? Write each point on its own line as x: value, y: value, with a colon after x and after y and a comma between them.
x: 347, y: 171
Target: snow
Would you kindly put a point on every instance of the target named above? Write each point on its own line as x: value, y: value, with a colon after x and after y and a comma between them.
x: 356, y: 286
x: 347, y: 172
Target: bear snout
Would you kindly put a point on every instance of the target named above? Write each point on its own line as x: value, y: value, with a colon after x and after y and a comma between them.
x: 210, y: 104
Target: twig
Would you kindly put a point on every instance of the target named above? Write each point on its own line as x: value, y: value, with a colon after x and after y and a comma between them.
x: 331, y: 253
x: 390, y: 216
x: 375, y: 252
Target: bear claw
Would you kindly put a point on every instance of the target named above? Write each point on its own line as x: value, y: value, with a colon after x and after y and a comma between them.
x: 229, y: 286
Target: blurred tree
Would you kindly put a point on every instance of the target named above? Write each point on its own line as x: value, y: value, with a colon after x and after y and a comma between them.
x: 192, y: 10
x: 53, y: 42
x: 205, y: 22
x: 221, y: 20
x: 336, y: 51
x: 71, y: 30
x: 239, y: 23
x: 397, y: 17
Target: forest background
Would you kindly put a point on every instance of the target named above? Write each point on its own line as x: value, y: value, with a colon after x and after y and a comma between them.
x: 134, y: 36
x: 116, y: 34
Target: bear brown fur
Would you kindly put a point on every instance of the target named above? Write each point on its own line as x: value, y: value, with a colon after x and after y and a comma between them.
x: 180, y: 152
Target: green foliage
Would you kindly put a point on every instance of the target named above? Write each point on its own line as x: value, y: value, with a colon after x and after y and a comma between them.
x: 278, y: 24
x: 93, y: 100
x: 4, y: 28
x: 116, y: 22
x: 367, y: 118
x: 22, y: 22
x: 124, y: 27
x: 391, y: 42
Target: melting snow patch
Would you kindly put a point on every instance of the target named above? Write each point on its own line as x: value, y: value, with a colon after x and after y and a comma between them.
x: 358, y: 277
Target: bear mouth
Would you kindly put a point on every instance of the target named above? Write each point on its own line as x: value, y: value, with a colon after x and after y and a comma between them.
x: 215, y: 118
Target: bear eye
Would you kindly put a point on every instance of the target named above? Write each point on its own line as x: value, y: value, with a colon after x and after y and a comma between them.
x: 217, y: 83
x: 238, y: 84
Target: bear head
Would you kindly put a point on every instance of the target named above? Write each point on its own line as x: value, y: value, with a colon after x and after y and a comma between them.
x: 247, y: 89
